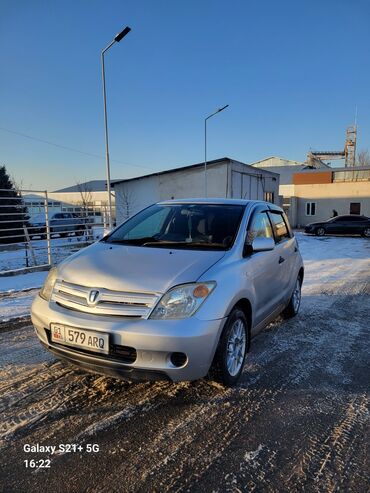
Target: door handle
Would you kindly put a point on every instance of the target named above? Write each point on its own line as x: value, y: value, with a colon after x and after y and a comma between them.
x: 281, y: 260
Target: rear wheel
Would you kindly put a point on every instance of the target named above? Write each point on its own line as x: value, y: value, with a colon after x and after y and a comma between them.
x: 229, y: 359
x: 295, y: 301
x: 366, y: 232
x: 320, y: 231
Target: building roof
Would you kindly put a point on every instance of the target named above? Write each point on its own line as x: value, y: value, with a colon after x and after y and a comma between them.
x: 91, y: 186
x: 334, y: 170
x: 288, y: 162
x: 191, y: 166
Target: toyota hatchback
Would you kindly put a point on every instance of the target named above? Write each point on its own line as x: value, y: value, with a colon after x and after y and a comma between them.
x: 176, y: 292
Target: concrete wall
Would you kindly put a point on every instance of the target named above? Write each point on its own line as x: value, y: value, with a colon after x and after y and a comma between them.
x: 285, y: 172
x: 141, y: 193
x: 190, y: 182
x: 330, y: 196
x: 225, y: 179
x: 247, y: 183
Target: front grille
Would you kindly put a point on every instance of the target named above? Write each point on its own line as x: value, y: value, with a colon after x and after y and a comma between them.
x: 107, y: 302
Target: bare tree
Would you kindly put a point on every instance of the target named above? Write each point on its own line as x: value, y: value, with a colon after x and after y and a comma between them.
x: 363, y: 158
x: 86, y: 195
x: 86, y: 204
x: 125, y: 202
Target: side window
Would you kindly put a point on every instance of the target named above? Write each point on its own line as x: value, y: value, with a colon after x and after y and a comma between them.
x: 57, y: 216
x: 281, y: 229
x: 356, y: 219
x: 260, y: 226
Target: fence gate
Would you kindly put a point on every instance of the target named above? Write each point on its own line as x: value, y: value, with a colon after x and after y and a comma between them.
x: 37, y: 232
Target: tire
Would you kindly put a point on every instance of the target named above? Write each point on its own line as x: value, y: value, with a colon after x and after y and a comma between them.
x: 320, y: 231
x: 366, y: 232
x: 234, y: 340
x: 295, y: 301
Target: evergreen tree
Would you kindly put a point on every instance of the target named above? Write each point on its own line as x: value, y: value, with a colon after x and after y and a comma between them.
x: 12, y: 209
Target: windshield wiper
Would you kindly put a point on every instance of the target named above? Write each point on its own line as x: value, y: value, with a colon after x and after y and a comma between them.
x: 132, y: 241
x: 186, y: 244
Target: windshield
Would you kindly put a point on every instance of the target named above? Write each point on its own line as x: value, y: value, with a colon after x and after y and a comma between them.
x: 198, y: 226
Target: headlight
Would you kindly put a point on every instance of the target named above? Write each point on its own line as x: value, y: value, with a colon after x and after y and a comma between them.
x: 183, y: 301
x: 47, y: 288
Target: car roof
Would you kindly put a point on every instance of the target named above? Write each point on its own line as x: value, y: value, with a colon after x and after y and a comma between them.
x: 219, y: 201
x: 351, y: 215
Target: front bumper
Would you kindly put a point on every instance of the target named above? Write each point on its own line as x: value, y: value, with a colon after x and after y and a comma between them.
x: 153, y: 340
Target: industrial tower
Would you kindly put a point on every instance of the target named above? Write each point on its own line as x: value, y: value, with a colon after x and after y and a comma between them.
x: 349, y: 152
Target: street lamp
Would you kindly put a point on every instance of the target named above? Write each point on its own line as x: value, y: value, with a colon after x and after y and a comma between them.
x: 205, y: 146
x: 116, y: 39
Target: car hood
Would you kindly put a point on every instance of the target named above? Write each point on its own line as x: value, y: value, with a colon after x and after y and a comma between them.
x: 140, y: 269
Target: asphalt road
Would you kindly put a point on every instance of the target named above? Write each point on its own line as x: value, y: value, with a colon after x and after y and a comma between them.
x: 298, y: 420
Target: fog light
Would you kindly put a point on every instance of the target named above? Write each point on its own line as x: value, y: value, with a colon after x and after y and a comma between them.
x: 178, y: 359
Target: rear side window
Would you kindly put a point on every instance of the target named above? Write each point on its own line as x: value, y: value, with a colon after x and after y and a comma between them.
x: 351, y: 219
x: 281, y: 228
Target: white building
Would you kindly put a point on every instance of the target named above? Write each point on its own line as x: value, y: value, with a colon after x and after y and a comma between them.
x: 226, y: 178
x: 286, y: 168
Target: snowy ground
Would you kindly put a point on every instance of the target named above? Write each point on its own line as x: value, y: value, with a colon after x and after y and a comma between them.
x: 298, y: 420
x: 14, y: 257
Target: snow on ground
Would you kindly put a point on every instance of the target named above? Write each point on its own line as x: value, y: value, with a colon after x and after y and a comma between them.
x: 17, y: 293
x: 331, y: 264
x: 297, y: 421
x: 16, y: 256
x: 11, y: 284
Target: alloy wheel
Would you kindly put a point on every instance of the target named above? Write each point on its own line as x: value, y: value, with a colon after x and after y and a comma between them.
x: 236, y: 347
x: 297, y: 295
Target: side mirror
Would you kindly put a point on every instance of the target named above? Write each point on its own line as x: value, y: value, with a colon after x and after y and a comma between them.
x: 261, y: 244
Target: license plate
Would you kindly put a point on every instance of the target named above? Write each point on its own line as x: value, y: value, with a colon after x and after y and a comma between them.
x: 86, y: 339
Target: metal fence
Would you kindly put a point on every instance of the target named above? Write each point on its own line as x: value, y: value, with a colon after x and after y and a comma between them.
x: 32, y: 241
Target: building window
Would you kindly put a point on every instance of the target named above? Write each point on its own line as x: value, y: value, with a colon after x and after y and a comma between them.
x: 310, y: 208
x: 352, y: 175
x: 269, y: 197
x: 355, y: 208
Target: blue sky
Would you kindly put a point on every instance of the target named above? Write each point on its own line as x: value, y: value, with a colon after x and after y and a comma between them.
x: 292, y: 72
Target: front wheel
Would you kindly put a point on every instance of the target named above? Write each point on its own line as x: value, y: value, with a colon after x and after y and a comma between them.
x: 366, y: 232
x: 320, y: 231
x: 229, y: 359
x: 295, y: 301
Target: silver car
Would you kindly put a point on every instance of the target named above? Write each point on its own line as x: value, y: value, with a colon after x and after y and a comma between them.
x: 176, y: 292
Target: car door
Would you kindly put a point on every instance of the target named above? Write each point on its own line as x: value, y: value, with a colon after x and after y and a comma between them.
x: 354, y: 225
x: 261, y: 269
x: 346, y: 225
x: 287, y: 252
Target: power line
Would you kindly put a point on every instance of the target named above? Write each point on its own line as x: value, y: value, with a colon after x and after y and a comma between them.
x: 69, y: 148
